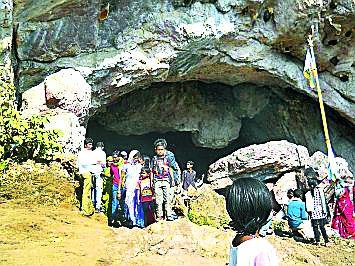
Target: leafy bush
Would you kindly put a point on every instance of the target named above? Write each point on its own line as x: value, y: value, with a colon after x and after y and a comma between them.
x: 279, y: 226
x: 31, y: 183
x: 23, y: 138
x: 208, y: 208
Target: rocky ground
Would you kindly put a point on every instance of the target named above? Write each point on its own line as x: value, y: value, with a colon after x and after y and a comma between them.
x: 59, y: 236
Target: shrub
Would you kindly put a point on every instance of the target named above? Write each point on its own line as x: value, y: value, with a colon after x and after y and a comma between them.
x: 23, y: 138
x: 31, y: 183
x: 208, y: 208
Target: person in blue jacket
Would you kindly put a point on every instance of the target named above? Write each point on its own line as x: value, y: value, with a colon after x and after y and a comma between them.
x: 296, y: 213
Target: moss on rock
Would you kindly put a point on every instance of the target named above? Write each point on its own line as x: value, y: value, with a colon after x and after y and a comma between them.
x: 207, y: 207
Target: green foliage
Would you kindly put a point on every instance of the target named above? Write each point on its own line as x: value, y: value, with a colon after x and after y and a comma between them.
x: 279, y: 226
x: 23, y: 138
x: 208, y: 208
x: 31, y: 183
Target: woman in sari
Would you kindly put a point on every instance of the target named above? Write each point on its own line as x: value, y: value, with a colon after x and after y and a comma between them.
x: 343, y: 220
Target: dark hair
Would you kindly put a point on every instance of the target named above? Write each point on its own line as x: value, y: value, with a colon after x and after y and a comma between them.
x: 160, y: 142
x: 100, y: 144
x: 297, y: 193
x: 309, y: 172
x: 87, y: 141
x: 147, y: 161
x: 290, y: 192
x: 249, y: 205
x: 190, y: 162
x: 312, y: 183
x: 116, y: 153
x: 145, y: 169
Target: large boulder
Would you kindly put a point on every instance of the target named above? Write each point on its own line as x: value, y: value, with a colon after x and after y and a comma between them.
x: 264, y: 161
x: 65, y: 97
x: 68, y: 90
x: 319, y: 162
x: 73, y: 133
x: 286, y: 182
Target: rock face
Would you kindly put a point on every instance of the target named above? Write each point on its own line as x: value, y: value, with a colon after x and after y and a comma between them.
x: 278, y: 162
x: 264, y: 161
x: 125, y: 47
x: 66, y: 98
x: 6, y: 35
x: 286, y: 182
x: 202, y: 109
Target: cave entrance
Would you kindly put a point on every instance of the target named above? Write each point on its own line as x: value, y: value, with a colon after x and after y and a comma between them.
x: 204, y: 122
x: 178, y: 142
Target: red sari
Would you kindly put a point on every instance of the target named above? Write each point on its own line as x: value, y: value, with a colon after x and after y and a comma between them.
x: 343, y: 220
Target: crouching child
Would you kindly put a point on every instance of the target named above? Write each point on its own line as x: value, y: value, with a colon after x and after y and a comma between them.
x: 296, y: 213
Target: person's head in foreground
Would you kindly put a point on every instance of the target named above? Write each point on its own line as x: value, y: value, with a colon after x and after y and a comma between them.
x: 249, y: 206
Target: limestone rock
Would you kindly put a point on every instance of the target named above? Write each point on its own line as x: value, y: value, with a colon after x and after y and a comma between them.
x: 68, y: 123
x: 232, y: 42
x: 286, y: 182
x: 264, y: 161
x: 34, y: 101
x: 6, y: 36
x: 319, y: 162
x: 68, y: 90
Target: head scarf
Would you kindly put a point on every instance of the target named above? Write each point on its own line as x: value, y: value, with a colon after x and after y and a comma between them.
x: 131, y: 155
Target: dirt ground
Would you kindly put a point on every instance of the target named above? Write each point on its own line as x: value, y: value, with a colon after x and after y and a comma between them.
x: 50, y: 236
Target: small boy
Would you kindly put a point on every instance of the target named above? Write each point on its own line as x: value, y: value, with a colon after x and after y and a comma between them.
x: 188, y: 176
x: 296, y: 213
x: 146, y: 193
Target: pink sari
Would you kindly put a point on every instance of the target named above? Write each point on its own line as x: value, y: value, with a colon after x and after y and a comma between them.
x: 343, y: 220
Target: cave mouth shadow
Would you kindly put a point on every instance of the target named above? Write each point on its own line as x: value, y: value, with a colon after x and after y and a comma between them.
x: 266, y: 114
x: 180, y: 143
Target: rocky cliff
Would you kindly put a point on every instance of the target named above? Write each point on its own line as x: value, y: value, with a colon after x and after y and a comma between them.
x: 208, y: 67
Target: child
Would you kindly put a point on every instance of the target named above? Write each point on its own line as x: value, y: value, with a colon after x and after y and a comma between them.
x: 166, y: 174
x: 296, y: 212
x: 188, y: 176
x: 146, y: 193
x: 317, y: 209
x: 249, y: 206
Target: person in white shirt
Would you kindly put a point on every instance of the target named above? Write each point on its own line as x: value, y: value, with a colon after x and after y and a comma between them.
x: 248, y: 203
x: 85, y: 162
x: 97, y: 171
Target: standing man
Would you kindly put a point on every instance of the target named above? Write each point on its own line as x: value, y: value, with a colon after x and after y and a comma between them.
x: 86, y: 162
x: 165, y: 177
x: 188, y: 176
x: 100, y: 160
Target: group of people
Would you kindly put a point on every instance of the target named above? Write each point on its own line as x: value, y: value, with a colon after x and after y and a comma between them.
x: 137, y: 191
x: 316, y: 209
x: 132, y: 189
x: 249, y: 204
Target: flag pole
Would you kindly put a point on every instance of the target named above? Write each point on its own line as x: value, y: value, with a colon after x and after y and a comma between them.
x: 320, y: 98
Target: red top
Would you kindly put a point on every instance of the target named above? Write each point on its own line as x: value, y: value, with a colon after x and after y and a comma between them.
x: 116, y: 174
x: 146, y: 189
